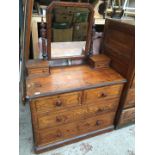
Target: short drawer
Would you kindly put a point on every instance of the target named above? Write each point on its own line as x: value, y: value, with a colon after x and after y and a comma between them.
x: 127, y: 116
x: 57, y: 102
x: 74, y: 129
x: 97, y: 122
x: 102, y: 93
x: 101, y: 65
x: 38, y: 71
x: 130, y: 100
x: 54, y: 119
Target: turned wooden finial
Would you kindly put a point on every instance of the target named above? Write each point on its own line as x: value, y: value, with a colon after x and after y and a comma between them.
x: 43, y: 34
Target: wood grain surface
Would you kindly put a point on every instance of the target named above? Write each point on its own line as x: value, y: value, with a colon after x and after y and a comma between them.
x: 66, y: 79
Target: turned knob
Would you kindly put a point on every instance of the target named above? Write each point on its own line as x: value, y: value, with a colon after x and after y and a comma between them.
x: 58, y: 103
x: 58, y: 119
x: 100, y: 110
x: 98, y: 122
x: 43, y: 71
x: 59, y: 134
x: 102, y: 95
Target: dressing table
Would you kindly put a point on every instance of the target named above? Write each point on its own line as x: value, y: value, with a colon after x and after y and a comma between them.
x: 71, y: 102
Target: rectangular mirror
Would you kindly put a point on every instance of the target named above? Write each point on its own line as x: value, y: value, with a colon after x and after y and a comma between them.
x: 69, y: 25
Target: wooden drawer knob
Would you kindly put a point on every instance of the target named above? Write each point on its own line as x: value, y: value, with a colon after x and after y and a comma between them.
x: 44, y: 71
x: 58, y: 103
x: 58, y: 119
x: 102, y: 95
x: 100, y: 110
x: 59, y: 134
x: 98, y: 122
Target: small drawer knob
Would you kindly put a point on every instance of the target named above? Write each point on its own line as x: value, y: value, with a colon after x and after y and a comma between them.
x: 59, y: 134
x: 98, y: 122
x: 43, y: 71
x: 58, y: 103
x: 58, y: 119
x: 102, y: 95
x: 100, y: 110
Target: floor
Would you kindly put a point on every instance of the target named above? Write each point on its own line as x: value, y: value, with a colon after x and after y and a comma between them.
x: 118, y: 142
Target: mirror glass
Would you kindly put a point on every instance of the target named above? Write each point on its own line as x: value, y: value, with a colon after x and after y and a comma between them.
x: 69, y: 30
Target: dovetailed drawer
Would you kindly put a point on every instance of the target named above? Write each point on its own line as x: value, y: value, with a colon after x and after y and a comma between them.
x: 102, y: 93
x: 51, y: 119
x: 57, y: 102
x: 76, y: 128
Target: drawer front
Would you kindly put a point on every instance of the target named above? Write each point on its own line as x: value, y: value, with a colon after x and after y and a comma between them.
x: 38, y: 71
x: 127, y: 116
x: 102, y: 93
x: 130, y: 100
x: 95, y: 123
x: 58, y: 102
x: 74, y: 129
x: 54, y: 119
x: 101, y: 64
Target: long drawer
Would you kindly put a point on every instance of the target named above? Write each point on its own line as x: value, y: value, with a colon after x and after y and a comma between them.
x: 127, y: 116
x: 102, y: 93
x: 130, y: 99
x: 74, y: 129
x: 57, y: 102
x: 54, y: 119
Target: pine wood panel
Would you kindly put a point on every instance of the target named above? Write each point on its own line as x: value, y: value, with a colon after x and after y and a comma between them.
x: 57, y: 102
x: 74, y: 129
x: 50, y: 119
x: 127, y: 116
x: 102, y: 93
x: 72, y: 78
x: 130, y: 99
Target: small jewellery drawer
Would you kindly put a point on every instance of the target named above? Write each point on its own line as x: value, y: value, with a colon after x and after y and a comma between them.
x: 57, y: 102
x: 48, y: 120
x: 130, y: 100
x: 101, y: 65
x: 102, y: 93
x: 74, y: 129
x: 38, y: 71
x: 127, y: 116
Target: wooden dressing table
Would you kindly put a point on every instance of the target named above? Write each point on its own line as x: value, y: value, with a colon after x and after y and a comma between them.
x: 71, y: 103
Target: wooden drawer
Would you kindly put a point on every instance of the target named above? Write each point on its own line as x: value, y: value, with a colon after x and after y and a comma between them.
x: 101, y: 65
x: 57, y: 102
x: 37, y: 67
x: 130, y: 100
x: 127, y: 116
x: 74, y: 129
x: 48, y: 120
x: 99, y: 61
x: 95, y: 123
x: 102, y: 93
x: 38, y: 71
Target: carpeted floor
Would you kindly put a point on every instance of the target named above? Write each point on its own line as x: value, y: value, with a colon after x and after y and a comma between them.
x: 118, y: 142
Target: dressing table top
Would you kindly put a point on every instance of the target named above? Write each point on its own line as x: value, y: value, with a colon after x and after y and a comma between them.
x: 73, y: 78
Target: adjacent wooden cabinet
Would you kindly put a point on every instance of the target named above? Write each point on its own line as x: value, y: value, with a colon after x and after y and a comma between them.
x: 119, y: 45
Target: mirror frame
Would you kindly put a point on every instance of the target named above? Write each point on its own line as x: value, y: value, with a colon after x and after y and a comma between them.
x: 49, y: 23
